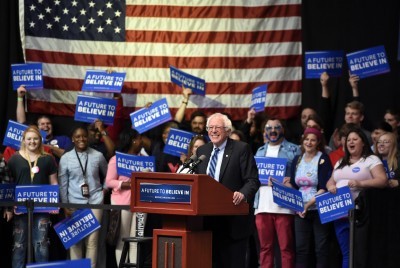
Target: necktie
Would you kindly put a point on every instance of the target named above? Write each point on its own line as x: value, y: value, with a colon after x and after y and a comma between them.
x: 213, y: 163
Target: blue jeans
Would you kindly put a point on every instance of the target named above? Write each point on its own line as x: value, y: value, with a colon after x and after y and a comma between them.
x: 306, y: 229
x: 39, y: 239
x: 342, y: 230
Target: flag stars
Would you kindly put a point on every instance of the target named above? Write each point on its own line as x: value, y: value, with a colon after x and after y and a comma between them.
x: 49, y: 25
x: 83, y: 12
x: 82, y: 28
x: 74, y: 3
x: 117, y: 30
x: 108, y: 21
x: 117, y: 13
x: 100, y: 29
x: 91, y: 4
x: 40, y: 1
x: 109, y: 5
x: 65, y: 11
x: 48, y: 10
x: 31, y: 24
x: 57, y: 2
x: 100, y: 13
x: 91, y: 21
x: 74, y: 20
x: 57, y: 19
x: 32, y: 7
x: 41, y: 16
x: 65, y: 27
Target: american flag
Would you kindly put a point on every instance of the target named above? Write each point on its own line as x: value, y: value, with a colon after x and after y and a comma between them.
x: 235, y: 45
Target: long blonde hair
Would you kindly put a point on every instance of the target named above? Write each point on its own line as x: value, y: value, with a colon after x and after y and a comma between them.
x: 392, y: 155
x: 33, y: 129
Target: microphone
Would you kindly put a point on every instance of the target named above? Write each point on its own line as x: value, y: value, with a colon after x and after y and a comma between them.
x: 192, y: 159
x: 196, y: 163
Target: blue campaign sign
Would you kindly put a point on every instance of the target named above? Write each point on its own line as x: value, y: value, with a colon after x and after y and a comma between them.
x: 368, y: 62
x: 44, y: 193
x: 271, y: 167
x: 101, y: 81
x: 334, y: 206
x: 389, y: 173
x: 127, y: 163
x: 30, y: 75
x: 89, y: 108
x: 287, y: 197
x: 258, y: 98
x: 81, y: 263
x: 13, y: 135
x: 196, y: 84
x: 7, y: 192
x: 72, y: 230
x: 317, y: 62
x: 178, y: 142
x: 148, y: 118
x: 165, y: 193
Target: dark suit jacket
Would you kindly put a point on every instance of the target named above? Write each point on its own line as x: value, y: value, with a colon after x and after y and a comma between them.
x: 238, y: 173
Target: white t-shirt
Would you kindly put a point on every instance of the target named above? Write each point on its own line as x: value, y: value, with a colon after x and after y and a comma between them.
x: 360, y: 170
x: 266, y: 203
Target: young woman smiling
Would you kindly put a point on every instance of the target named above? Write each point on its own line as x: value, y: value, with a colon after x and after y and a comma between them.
x: 358, y: 169
x: 31, y: 166
x: 309, y: 175
x: 386, y: 149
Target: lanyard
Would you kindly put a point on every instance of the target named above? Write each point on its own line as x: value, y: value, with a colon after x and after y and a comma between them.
x: 80, y: 163
x: 33, y: 169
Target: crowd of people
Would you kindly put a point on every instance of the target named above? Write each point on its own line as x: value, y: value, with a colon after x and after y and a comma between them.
x: 319, y: 159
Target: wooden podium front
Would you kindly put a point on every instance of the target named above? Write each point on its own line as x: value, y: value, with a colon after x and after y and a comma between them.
x: 182, y: 242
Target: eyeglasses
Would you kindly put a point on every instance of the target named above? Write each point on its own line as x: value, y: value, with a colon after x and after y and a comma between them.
x: 269, y: 128
x: 383, y: 142
x: 217, y: 128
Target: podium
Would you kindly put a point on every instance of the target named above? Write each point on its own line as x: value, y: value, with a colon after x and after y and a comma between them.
x: 183, y: 200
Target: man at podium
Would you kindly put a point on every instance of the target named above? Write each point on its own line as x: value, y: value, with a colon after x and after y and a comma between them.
x: 232, y: 164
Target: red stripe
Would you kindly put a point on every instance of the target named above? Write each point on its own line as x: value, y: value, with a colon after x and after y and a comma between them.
x: 213, y: 37
x: 209, y: 12
x: 236, y: 113
x: 163, y: 62
x: 169, y: 88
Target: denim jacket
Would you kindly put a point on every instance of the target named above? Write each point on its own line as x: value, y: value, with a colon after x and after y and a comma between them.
x: 287, y: 150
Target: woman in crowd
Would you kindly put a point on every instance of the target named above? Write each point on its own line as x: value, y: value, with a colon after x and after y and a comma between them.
x: 386, y: 149
x: 314, y: 121
x: 31, y: 166
x: 130, y: 142
x: 309, y: 176
x: 358, y: 169
x: 195, y: 142
x: 79, y: 176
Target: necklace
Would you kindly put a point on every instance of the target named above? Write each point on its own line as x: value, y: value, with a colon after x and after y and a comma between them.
x: 33, y: 169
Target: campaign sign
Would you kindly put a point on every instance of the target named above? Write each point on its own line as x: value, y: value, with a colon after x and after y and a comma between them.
x: 44, y: 193
x: 30, y: 75
x: 258, y: 97
x: 196, y: 84
x: 177, y: 142
x: 165, y: 193
x: 81, y: 263
x: 7, y: 191
x: 89, y: 108
x: 127, y: 163
x: 287, y: 197
x: 13, y: 135
x: 317, y: 62
x: 101, y: 81
x: 368, y: 62
x: 148, y: 118
x: 72, y: 230
x: 389, y: 173
x: 334, y: 206
x: 271, y: 167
